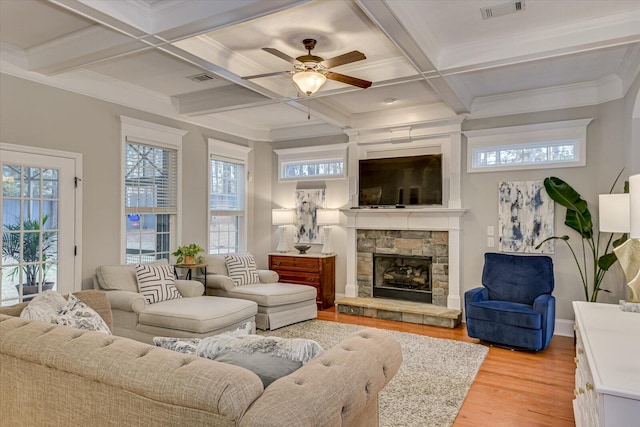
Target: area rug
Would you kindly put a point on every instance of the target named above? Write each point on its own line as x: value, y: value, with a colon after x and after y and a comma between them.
x: 431, y: 384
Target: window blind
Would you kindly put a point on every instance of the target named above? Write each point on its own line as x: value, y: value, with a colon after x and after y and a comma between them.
x: 151, y: 179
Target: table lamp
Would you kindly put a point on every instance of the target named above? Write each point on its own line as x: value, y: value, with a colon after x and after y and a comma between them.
x: 282, y: 218
x: 327, y: 218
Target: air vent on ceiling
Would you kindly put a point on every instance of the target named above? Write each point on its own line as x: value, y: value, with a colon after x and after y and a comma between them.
x: 202, y: 77
x: 502, y: 9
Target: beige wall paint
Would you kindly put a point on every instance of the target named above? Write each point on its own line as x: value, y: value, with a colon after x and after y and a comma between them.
x: 41, y: 116
x: 605, y: 158
x: 37, y: 115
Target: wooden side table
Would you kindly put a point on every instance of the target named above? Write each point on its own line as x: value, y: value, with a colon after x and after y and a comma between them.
x: 190, y: 268
x: 317, y: 270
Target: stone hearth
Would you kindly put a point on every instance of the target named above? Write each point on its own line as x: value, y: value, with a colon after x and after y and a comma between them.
x: 402, y: 311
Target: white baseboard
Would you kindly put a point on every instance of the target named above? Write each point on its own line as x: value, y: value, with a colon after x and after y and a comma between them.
x: 564, y: 328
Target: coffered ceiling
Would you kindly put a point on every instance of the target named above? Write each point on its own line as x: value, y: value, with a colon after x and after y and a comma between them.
x: 428, y: 59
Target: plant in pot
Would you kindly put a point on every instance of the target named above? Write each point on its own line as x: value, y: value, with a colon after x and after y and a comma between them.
x: 37, y: 247
x: 578, y: 218
x: 188, y: 254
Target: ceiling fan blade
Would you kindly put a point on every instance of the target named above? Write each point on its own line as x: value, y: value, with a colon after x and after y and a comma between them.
x: 277, y: 73
x: 281, y: 55
x: 346, y: 58
x: 354, y: 81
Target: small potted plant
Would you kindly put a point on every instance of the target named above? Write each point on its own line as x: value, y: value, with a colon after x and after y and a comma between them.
x: 188, y: 254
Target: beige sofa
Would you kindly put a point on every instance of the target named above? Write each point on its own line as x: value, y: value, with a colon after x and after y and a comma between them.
x: 279, y: 304
x: 194, y: 315
x: 60, y: 376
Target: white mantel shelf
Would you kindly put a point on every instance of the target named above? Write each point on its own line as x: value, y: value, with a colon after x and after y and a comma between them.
x: 404, y: 218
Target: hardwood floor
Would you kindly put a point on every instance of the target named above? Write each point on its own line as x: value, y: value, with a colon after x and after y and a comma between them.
x: 512, y: 388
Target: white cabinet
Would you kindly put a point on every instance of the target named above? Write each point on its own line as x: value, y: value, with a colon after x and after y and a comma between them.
x: 607, y: 359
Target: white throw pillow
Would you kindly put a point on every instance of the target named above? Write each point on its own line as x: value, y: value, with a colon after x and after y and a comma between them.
x: 242, y: 269
x: 44, y: 306
x: 156, y: 283
x: 79, y: 315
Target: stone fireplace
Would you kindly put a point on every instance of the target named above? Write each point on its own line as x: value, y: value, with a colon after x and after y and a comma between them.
x: 409, y: 265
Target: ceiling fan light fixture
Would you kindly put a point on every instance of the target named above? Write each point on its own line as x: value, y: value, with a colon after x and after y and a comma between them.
x: 309, y: 81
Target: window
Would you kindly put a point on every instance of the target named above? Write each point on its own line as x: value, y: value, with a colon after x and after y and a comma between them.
x: 151, y: 198
x: 557, y: 144
x: 227, y: 195
x: 309, y: 163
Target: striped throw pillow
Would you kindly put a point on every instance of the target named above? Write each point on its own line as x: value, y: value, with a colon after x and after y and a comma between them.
x: 242, y: 269
x: 156, y: 283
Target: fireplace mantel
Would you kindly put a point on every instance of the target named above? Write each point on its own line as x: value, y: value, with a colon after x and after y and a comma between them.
x: 434, y: 219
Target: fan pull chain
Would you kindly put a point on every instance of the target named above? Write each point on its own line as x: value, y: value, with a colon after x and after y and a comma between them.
x: 309, y: 110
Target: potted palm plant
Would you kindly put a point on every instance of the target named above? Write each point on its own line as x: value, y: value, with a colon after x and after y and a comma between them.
x: 36, y: 248
x: 188, y: 254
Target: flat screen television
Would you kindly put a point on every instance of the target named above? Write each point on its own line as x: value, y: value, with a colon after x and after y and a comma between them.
x: 404, y: 181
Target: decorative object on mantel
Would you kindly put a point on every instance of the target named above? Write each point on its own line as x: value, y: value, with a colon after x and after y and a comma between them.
x: 282, y: 218
x: 302, y: 249
x: 327, y: 218
x: 525, y: 217
x: 308, y: 201
x: 187, y: 254
x: 578, y: 218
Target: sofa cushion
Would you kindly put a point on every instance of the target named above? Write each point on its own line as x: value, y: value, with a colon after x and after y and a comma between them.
x: 242, y: 269
x: 44, y: 307
x: 268, y: 357
x: 121, y: 277
x: 506, y: 313
x: 156, y: 283
x: 197, y: 314
x: 274, y: 294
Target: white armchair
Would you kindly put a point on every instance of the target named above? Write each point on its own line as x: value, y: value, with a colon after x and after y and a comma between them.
x: 193, y: 315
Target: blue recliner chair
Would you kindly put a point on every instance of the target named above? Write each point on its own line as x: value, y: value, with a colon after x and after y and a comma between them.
x: 514, y: 308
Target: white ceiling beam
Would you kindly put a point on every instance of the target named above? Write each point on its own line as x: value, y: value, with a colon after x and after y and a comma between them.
x: 385, y: 19
x: 217, y: 100
x: 87, y: 46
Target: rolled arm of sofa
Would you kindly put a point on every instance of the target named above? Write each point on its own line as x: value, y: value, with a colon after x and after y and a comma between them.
x: 189, y: 288
x: 339, y: 387
x: 268, y: 276
x: 218, y: 281
x: 125, y: 301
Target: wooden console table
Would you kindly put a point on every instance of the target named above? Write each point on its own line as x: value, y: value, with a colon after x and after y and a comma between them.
x: 607, y: 369
x: 315, y: 270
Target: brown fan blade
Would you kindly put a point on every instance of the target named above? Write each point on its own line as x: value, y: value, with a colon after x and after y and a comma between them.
x: 346, y: 58
x: 277, y: 73
x: 281, y: 55
x: 354, y: 81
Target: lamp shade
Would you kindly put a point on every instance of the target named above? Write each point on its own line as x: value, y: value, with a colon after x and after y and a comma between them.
x: 281, y: 216
x: 634, y: 202
x: 327, y: 217
x: 614, y: 213
x: 309, y: 82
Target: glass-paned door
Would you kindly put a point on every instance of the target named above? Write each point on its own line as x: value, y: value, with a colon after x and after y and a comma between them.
x: 37, y: 226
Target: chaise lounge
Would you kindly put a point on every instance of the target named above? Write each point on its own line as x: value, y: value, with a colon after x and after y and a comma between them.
x: 193, y: 315
x: 279, y: 304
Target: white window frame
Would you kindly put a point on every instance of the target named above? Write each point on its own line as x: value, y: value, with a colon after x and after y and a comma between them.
x: 529, y: 136
x: 310, y: 155
x: 228, y: 152
x: 148, y: 133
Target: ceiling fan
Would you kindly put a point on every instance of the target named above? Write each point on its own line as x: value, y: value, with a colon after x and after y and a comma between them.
x: 310, y: 72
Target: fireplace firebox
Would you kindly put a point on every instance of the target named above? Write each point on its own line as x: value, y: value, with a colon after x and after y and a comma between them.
x: 404, y: 277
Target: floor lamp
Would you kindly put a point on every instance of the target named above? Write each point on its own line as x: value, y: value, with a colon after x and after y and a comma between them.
x: 327, y: 218
x: 282, y: 218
